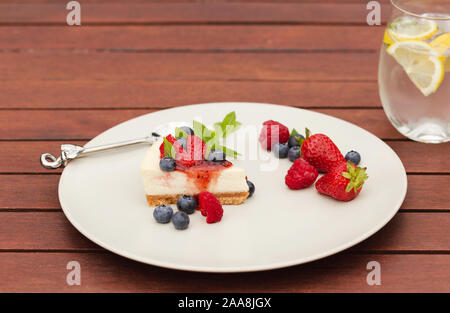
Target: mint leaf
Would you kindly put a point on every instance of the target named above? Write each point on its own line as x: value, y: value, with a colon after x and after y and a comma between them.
x: 294, y: 132
x: 202, y: 131
x: 228, y: 124
x: 179, y: 133
x: 169, y: 150
x: 228, y: 151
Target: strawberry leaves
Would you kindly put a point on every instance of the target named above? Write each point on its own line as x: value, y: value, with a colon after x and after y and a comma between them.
x: 357, y: 176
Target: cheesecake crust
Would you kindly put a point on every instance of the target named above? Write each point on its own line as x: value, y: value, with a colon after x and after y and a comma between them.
x: 223, y: 197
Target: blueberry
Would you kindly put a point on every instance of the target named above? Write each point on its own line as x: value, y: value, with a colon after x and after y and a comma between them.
x: 180, y: 220
x: 293, y: 140
x: 187, y: 204
x: 163, y: 214
x: 167, y: 164
x: 353, y: 157
x: 294, y: 153
x: 216, y: 156
x: 182, y: 143
x: 280, y: 150
x: 251, y: 188
x: 187, y: 130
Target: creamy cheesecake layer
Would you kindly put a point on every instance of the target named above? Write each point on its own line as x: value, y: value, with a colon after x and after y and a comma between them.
x: 157, y: 182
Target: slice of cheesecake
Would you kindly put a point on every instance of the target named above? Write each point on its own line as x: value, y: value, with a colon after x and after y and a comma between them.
x: 225, y: 180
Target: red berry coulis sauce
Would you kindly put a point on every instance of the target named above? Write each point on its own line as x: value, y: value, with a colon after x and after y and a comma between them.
x: 204, y: 172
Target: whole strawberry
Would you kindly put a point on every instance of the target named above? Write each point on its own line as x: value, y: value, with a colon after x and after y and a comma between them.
x: 273, y: 132
x: 343, y: 182
x: 300, y: 175
x: 321, y: 152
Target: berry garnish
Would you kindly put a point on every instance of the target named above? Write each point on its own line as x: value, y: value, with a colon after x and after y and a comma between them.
x: 167, y: 164
x: 280, y: 150
x: 294, y: 153
x: 173, y: 141
x: 353, y: 157
x: 343, y: 182
x: 273, y: 132
x: 300, y: 175
x: 182, y: 142
x: 187, y: 130
x: 295, y: 140
x: 321, y: 152
x: 216, y: 156
x: 180, y: 220
x: 163, y: 214
x: 187, y: 204
x: 251, y: 188
x: 210, y: 207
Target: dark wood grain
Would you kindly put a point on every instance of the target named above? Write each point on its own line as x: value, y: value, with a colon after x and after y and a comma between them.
x: 73, y: 66
x: 74, y: 124
x: 425, y: 192
x: 52, y: 231
x: 88, y: 94
x: 218, y: 38
x: 107, y: 273
x: 193, y: 12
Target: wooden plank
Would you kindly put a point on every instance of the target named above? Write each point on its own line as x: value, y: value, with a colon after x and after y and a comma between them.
x: 29, y: 192
x: 425, y: 192
x: 43, y: 231
x: 154, y: 94
x: 57, y: 65
x: 74, y: 124
x: 418, y: 157
x: 46, y: 272
x: 194, y: 37
x: 51, y: 231
x: 23, y: 156
x: 194, y: 12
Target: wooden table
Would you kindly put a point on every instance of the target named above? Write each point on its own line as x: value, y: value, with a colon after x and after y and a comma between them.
x: 62, y: 83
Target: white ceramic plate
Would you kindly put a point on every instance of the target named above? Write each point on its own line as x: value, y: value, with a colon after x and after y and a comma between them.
x: 103, y: 197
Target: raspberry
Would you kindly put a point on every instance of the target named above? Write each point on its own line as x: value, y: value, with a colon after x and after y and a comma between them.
x: 210, y: 207
x: 300, y: 175
x: 273, y: 132
x: 196, y: 149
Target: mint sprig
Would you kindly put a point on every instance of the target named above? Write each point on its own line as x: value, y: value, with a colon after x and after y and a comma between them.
x: 221, y: 130
x: 228, y: 124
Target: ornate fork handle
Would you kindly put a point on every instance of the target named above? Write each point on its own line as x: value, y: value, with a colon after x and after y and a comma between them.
x: 70, y: 152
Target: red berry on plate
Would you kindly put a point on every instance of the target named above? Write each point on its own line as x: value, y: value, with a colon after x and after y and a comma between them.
x: 178, y: 148
x: 300, y: 175
x: 343, y: 182
x: 210, y: 207
x: 321, y: 152
x: 273, y: 132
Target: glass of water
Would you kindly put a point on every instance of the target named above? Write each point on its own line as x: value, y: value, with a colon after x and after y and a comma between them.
x: 414, y: 69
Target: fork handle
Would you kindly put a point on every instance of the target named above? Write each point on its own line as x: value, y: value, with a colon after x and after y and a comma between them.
x: 70, y: 152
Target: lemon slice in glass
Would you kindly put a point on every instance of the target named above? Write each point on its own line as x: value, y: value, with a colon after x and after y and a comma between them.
x: 386, y: 39
x: 409, y: 28
x: 442, y: 45
x: 421, y: 62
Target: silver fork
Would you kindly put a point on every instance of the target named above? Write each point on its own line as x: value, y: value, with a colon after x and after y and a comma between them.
x: 70, y: 152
